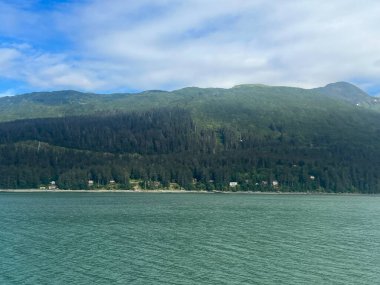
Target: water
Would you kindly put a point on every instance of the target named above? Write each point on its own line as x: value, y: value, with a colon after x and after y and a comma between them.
x: 140, y: 238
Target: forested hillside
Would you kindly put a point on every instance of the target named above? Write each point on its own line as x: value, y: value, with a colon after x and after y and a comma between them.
x: 214, y: 104
x: 264, y: 138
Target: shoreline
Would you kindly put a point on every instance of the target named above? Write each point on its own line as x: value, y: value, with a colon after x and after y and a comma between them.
x: 163, y: 191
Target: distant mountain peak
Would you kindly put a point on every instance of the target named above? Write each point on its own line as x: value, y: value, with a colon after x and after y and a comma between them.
x: 344, y: 86
x: 344, y: 90
x: 341, y: 84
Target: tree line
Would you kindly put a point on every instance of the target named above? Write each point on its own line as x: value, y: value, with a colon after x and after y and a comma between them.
x: 162, y: 147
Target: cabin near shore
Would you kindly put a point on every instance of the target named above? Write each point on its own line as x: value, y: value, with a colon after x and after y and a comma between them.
x: 52, y: 185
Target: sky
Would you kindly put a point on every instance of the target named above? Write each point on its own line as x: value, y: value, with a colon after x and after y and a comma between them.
x: 129, y: 46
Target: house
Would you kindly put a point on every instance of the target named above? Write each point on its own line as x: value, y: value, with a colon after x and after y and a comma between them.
x: 233, y: 184
x: 52, y: 186
x: 312, y: 177
x: 90, y: 183
x: 112, y: 181
x: 275, y: 183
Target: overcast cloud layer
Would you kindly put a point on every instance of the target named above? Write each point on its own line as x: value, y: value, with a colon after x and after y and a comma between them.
x: 120, y: 45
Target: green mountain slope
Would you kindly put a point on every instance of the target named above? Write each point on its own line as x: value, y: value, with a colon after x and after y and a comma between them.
x: 345, y: 91
x: 215, y: 104
x: 200, y: 138
x: 350, y: 93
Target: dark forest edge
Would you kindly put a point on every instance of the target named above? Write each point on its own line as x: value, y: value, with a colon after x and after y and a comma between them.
x: 166, y: 149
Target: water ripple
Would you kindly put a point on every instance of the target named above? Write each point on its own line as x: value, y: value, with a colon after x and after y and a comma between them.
x: 81, y: 238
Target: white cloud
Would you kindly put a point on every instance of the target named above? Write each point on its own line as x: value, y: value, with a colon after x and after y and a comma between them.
x: 43, y: 70
x: 170, y: 44
x: 7, y: 56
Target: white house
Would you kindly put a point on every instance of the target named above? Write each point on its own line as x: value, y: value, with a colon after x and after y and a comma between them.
x: 52, y: 185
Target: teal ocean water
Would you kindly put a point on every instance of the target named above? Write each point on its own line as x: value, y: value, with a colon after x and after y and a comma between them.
x: 143, y: 238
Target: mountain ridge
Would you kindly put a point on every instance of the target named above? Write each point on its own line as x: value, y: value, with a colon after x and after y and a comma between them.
x: 72, y: 91
x: 71, y: 102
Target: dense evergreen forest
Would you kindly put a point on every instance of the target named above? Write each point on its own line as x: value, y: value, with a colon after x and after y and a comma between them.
x: 166, y: 148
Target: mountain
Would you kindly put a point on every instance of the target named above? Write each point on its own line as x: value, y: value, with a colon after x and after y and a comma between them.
x: 252, y: 97
x: 350, y: 93
x: 267, y: 138
x: 344, y: 91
